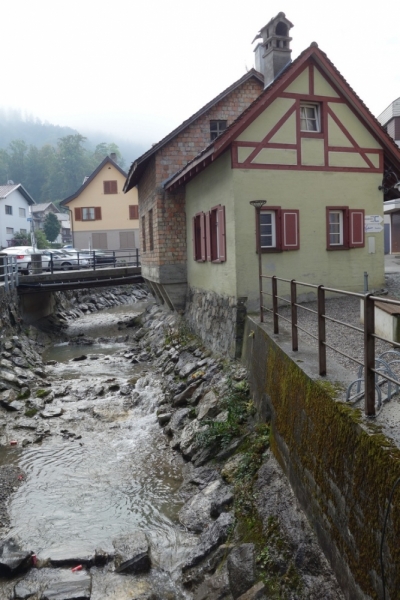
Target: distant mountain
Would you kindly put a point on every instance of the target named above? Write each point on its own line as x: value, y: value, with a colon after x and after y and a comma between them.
x: 36, y: 133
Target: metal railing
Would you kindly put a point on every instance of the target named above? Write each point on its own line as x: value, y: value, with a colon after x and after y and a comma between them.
x: 368, y: 329
x: 93, y: 260
x: 8, y: 271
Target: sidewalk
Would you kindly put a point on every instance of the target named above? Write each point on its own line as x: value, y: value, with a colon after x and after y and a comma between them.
x: 392, y: 263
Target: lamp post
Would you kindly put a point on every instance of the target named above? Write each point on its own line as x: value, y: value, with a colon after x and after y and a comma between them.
x: 258, y: 204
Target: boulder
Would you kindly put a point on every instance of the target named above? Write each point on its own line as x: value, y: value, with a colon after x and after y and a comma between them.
x: 132, y: 553
x: 51, y: 412
x: 187, y: 369
x: 72, y: 586
x: 209, y: 502
x: 208, y: 406
x: 215, y: 587
x: 164, y: 418
x: 257, y: 592
x: 241, y: 569
x: 7, y: 397
x: 189, y: 442
x: 182, y: 398
x: 215, y: 535
x: 22, y: 591
x: 230, y: 469
x: 177, y: 421
x: 12, y: 559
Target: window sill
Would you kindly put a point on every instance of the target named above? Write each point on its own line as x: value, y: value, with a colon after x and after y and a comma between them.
x: 334, y: 249
x: 312, y: 134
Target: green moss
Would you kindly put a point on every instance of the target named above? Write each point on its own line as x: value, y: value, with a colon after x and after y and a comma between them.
x: 31, y: 412
x: 345, y: 464
x: 24, y: 396
x: 42, y: 393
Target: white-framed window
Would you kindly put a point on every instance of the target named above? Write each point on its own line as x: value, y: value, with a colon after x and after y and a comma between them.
x: 23, y: 231
x: 88, y: 214
x: 336, y: 233
x: 344, y: 227
x: 268, y: 229
x: 9, y: 229
x: 8, y: 209
x: 310, y: 117
x: 22, y: 212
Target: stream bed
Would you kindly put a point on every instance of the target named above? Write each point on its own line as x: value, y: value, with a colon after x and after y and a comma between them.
x: 103, y: 469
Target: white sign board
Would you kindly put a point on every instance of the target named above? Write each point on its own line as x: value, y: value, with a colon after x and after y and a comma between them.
x: 373, y: 228
x: 373, y: 219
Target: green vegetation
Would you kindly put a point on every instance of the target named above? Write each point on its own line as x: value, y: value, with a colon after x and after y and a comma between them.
x: 41, y: 241
x: 180, y: 335
x: 51, y: 227
x: 31, y: 412
x: 239, y: 407
x: 42, y: 393
x: 24, y: 395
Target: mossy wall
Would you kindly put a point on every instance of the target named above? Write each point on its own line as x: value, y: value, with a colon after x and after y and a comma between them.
x: 341, y: 468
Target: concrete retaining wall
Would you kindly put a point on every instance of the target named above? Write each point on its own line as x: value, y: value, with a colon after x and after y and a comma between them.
x: 341, y: 467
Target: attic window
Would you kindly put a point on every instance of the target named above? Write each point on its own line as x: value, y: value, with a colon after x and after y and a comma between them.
x: 110, y: 187
x: 216, y: 128
x: 310, y: 117
x: 281, y: 29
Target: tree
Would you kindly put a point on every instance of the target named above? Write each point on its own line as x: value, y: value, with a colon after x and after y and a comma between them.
x: 51, y: 227
x: 41, y: 242
x: 22, y: 239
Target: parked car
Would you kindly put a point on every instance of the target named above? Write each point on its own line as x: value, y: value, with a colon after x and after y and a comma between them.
x: 63, y: 259
x: 102, y: 256
x: 24, y: 257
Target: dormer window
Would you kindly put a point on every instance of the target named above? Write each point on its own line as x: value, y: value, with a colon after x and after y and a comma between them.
x: 216, y: 128
x: 310, y: 117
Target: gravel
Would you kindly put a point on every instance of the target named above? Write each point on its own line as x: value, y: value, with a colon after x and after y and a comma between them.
x: 345, y: 309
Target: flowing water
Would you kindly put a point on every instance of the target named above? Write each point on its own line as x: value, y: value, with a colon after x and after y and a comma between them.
x: 107, y: 469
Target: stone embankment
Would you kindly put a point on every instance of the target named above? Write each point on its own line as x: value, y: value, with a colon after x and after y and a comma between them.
x: 253, y: 542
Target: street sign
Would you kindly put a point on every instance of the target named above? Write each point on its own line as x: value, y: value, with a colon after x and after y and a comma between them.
x: 373, y: 228
x: 373, y: 219
x: 29, y: 218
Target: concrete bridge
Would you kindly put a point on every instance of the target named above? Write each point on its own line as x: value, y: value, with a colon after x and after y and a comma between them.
x: 36, y: 291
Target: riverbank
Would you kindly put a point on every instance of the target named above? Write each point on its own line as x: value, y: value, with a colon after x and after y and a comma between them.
x: 248, y: 536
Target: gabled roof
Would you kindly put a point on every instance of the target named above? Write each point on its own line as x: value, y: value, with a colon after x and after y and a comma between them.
x: 89, y: 179
x: 5, y: 190
x: 42, y: 207
x: 138, y: 167
x: 223, y: 141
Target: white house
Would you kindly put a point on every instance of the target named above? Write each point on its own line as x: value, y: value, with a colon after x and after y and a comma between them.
x: 14, y: 212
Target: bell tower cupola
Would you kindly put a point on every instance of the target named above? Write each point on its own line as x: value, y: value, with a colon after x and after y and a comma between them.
x: 273, y: 53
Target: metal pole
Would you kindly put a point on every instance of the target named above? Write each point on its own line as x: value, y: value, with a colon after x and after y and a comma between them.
x: 275, y: 302
x: 369, y: 355
x: 293, y: 301
x: 137, y: 257
x: 5, y: 271
x: 258, y: 211
x: 114, y: 258
x: 321, y: 331
x: 365, y: 282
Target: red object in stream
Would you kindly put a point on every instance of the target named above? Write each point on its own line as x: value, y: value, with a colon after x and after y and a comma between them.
x: 78, y: 568
x: 34, y: 560
x: 13, y: 443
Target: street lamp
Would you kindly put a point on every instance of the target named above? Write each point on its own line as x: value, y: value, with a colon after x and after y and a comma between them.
x: 258, y: 204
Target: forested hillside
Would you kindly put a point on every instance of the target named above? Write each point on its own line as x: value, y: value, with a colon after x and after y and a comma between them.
x: 50, y: 161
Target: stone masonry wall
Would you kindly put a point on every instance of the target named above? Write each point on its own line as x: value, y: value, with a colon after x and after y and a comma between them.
x: 217, y: 320
x: 341, y: 468
x: 169, y: 220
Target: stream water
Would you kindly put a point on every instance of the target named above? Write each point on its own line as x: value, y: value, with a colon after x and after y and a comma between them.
x: 106, y: 469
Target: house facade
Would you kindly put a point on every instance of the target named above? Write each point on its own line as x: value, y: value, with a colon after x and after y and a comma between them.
x: 15, y: 203
x: 102, y: 216
x: 311, y: 149
x: 39, y: 213
x: 162, y: 211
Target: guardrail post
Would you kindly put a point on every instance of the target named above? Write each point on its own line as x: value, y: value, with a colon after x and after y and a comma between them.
x: 321, y: 331
x: 16, y: 273
x: 114, y: 259
x: 293, y: 301
x: 5, y: 271
x: 94, y: 260
x: 369, y: 355
x: 51, y: 264
x: 275, y: 303
x: 137, y: 257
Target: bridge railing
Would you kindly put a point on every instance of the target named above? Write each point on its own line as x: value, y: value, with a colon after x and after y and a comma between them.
x: 8, y: 271
x: 94, y: 259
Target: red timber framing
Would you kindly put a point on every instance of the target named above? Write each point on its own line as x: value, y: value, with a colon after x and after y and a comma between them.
x: 325, y: 111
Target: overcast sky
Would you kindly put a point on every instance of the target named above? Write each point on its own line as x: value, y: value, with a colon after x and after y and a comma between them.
x: 137, y: 69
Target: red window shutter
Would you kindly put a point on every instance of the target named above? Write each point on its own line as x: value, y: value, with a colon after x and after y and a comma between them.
x: 356, y: 228
x: 133, y: 211
x: 194, y: 237
x: 221, y: 234
x: 97, y: 213
x: 114, y: 187
x: 203, y: 236
x: 208, y: 237
x: 290, y: 229
x: 78, y: 214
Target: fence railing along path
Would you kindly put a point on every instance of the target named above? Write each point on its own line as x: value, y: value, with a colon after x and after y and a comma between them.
x: 367, y: 329
x: 8, y: 272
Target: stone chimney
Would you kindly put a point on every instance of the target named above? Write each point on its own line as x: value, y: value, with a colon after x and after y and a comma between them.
x: 274, y: 52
